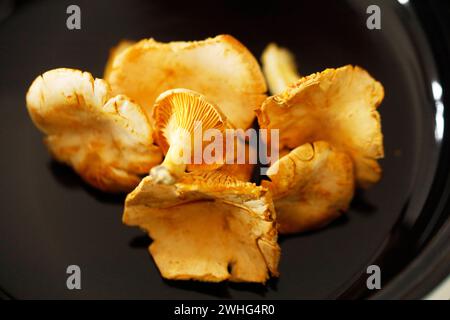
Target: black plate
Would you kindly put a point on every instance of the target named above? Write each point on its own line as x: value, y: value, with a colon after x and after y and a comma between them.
x: 50, y: 219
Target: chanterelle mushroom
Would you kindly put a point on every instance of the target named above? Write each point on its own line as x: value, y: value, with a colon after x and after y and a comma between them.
x: 113, y: 53
x: 207, y: 226
x: 221, y: 68
x: 311, y: 186
x: 181, y: 117
x: 106, y: 139
x: 279, y: 68
x: 338, y: 106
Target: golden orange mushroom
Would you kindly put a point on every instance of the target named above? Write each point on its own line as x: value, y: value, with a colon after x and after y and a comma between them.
x: 181, y: 117
x: 338, y: 106
x: 107, y: 139
x: 279, y: 68
x: 311, y: 186
x: 207, y: 226
x: 220, y: 68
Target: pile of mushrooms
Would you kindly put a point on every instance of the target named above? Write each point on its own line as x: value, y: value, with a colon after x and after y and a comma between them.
x: 209, y: 221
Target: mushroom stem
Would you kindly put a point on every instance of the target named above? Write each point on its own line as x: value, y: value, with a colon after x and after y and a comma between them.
x: 175, y: 161
x: 182, y: 117
x: 177, y: 158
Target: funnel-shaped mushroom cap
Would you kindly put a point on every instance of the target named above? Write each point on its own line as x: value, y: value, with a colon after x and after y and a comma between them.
x: 113, y: 53
x: 338, y: 106
x: 107, y: 140
x: 279, y: 68
x: 208, y: 227
x: 181, y: 117
x: 221, y: 68
x: 311, y: 186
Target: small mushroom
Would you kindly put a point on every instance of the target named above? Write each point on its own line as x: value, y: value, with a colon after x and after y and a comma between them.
x: 221, y: 68
x: 311, y: 186
x: 338, y: 106
x: 106, y: 139
x: 178, y: 115
x: 279, y: 68
x: 208, y: 227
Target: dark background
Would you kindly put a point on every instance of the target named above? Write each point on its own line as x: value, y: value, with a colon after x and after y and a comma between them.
x: 50, y: 219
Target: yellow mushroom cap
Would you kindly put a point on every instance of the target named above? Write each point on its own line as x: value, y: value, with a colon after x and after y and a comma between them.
x: 311, y: 186
x: 338, y: 106
x: 221, y: 68
x: 107, y: 139
x: 113, y: 53
x: 279, y: 68
x: 208, y: 227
